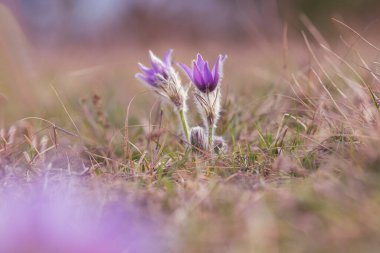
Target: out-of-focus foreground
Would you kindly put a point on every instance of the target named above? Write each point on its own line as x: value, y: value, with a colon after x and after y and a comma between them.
x: 92, y: 162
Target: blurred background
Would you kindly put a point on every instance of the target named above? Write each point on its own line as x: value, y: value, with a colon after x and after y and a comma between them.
x: 87, y: 46
x: 147, y: 21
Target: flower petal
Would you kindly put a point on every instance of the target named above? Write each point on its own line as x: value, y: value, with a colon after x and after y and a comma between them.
x: 197, y: 78
x: 157, y: 64
x: 145, y: 69
x: 187, y: 70
x: 209, y: 80
x: 145, y: 79
x: 215, y: 69
x: 168, y: 58
x: 200, y: 61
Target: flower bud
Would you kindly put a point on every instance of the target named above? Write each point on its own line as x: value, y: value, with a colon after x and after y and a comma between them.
x: 220, y: 145
x: 198, y: 138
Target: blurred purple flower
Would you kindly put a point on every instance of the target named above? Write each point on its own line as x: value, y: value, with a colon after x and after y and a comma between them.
x: 68, y: 217
x: 204, y: 79
x: 159, y: 72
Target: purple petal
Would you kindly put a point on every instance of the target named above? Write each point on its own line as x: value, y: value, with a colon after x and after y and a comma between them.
x: 200, y: 61
x: 143, y: 67
x: 168, y: 58
x: 215, y: 69
x: 209, y: 80
x: 156, y: 63
x: 146, y: 70
x: 155, y: 67
x: 197, y: 76
x: 148, y: 80
x: 187, y: 70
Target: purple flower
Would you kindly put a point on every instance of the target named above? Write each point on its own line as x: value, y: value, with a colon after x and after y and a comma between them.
x: 66, y: 215
x: 205, y: 79
x: 164, y: 80
x: 159, y: 71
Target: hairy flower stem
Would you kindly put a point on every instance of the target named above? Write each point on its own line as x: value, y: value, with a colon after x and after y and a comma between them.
x: 210, y: 136
x: 184, y: 125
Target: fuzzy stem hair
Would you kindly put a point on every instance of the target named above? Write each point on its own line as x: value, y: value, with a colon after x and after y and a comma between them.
x: 185, y: 125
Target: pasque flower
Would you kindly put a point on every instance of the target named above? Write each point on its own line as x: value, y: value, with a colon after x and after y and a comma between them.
x: 207, y: 93
x: 204, y: 78
x: 165, y: 81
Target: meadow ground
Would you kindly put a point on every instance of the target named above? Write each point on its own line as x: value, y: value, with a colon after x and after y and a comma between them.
x: 84, y: 144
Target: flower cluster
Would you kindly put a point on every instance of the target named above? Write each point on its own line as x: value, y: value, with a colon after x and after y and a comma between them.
x: 164, y: 80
